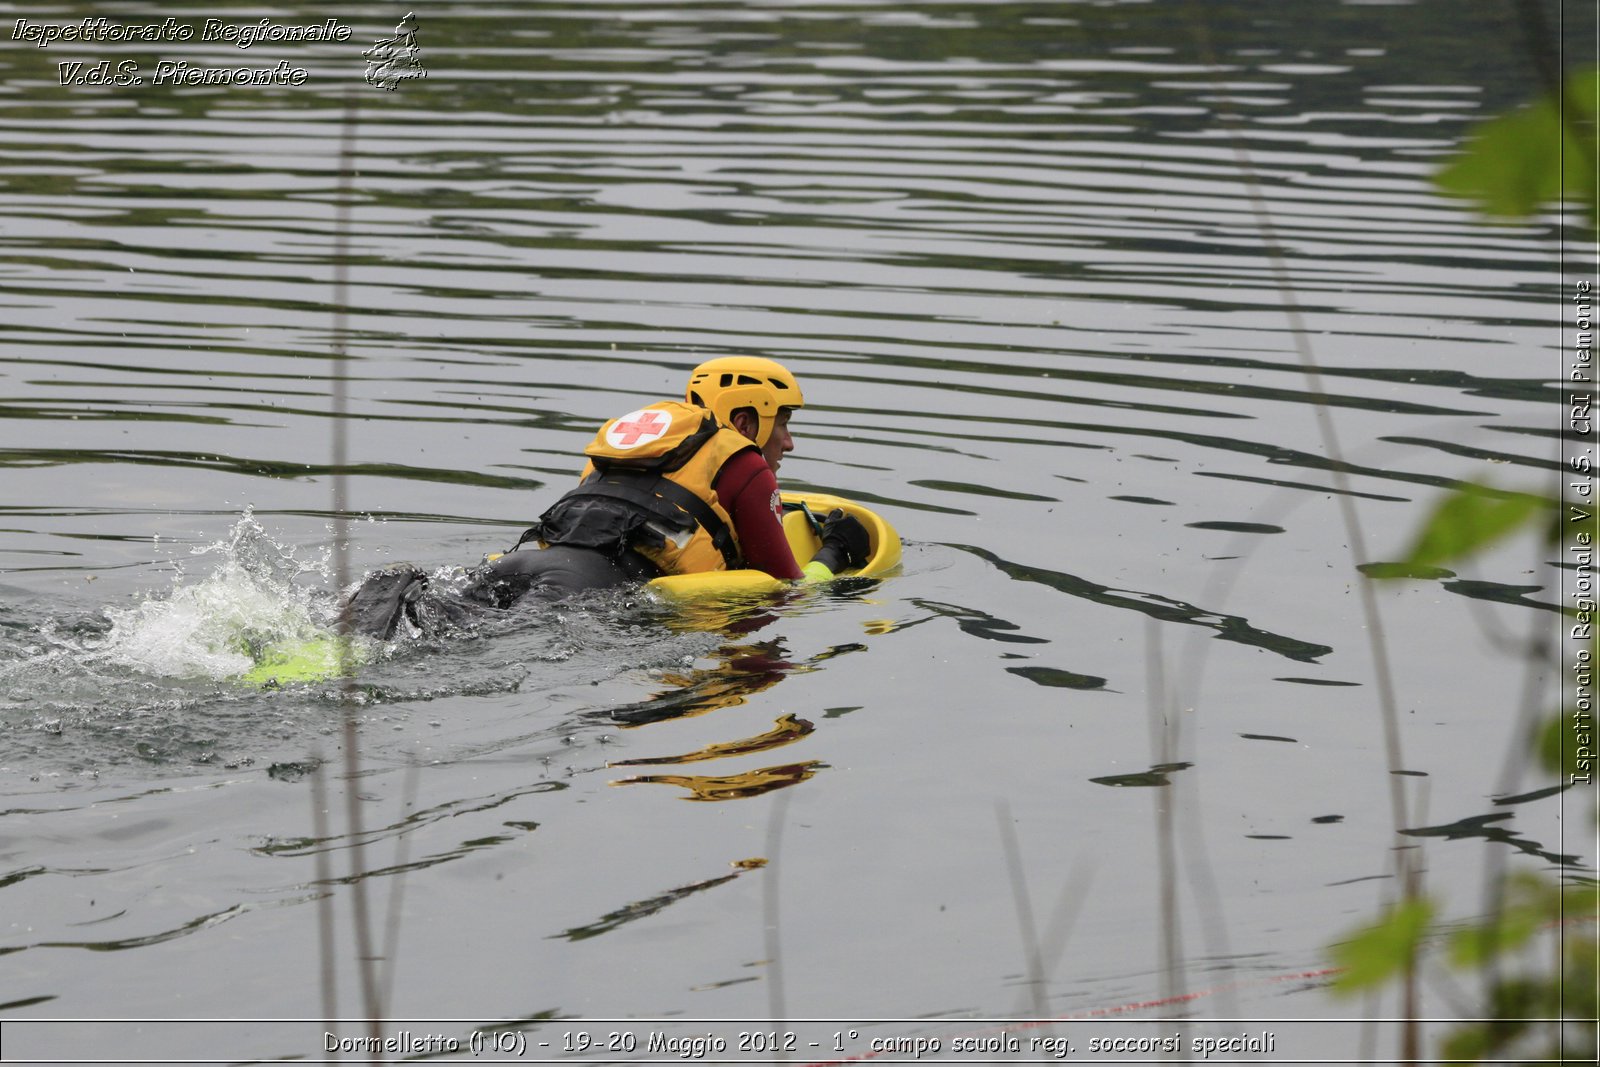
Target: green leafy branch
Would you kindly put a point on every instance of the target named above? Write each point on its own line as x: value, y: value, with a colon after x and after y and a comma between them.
x: 1539, y: 1006
x: 1542, y: 152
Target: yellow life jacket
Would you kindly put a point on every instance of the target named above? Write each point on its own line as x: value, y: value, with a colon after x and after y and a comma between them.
x: 648, y: 487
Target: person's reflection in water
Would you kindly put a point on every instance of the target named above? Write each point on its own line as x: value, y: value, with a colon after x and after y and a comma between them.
x: 741, y: 671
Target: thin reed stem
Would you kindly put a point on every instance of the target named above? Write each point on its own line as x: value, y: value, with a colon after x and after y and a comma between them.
x: 328, y: 972
x: 365, y: 962
x: 1024, y: 907
x: 1058, y: 930
x: 776, y: 1006
x: 1163, y: 736
x: 1354, y: 533
x: 397, y: 885
x: 1409, y: 873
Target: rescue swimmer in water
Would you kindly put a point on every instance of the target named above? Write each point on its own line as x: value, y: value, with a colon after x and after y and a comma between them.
x: 676, y: 487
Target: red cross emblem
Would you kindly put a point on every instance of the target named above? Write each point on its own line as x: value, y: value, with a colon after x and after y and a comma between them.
x: 637, y: 428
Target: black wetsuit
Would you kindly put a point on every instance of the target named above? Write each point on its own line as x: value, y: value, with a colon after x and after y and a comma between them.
x: 402, y: 591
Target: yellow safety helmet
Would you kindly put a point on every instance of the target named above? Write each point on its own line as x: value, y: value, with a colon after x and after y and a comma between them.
x: 732, y: 382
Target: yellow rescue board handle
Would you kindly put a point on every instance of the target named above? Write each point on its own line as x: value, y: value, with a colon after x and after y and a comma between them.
x: 803, y: 541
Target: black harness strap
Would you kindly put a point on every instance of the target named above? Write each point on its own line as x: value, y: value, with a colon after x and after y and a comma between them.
x: 657, y: 496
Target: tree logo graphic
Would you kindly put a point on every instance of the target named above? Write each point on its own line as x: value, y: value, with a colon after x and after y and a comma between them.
x: 393, y: 60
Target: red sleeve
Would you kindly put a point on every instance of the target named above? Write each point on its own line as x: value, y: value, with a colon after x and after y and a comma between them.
x: 748, y: 491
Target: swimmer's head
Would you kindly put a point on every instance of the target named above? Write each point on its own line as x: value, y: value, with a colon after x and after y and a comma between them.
x: 753, y: 396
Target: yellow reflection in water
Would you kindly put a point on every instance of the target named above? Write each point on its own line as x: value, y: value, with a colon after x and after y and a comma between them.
x: 787, y: 729
x: 733, y: 786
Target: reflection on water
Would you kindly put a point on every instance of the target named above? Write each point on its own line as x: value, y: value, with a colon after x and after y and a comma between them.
x: 1155, y: 776
x: 641, y: 909
x: 741, y: 671
x: 786, y: 730
x: 1228, y: 627
x: 1482, y: 826
x: 732, y: 786
x: 1007, y: 247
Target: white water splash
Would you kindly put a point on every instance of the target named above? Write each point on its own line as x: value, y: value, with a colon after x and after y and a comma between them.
x: 218, y: 627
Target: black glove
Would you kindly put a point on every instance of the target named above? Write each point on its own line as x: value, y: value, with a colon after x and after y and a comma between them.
x: 385, y: 597
x: 845, y: 542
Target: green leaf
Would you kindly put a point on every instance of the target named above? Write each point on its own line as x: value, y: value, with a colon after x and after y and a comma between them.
x: 1468, y: 521
x: 1468, y: 1043
x: 1531, y: 904
x: 1580, y: 955
x: 1384, y: 949
x: 1583, y: 902
x: 1476, y: 945
x: 1515, y: 164
x: 1404, y: 570
x: 1566, y: 744
x: 1557, y: 753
